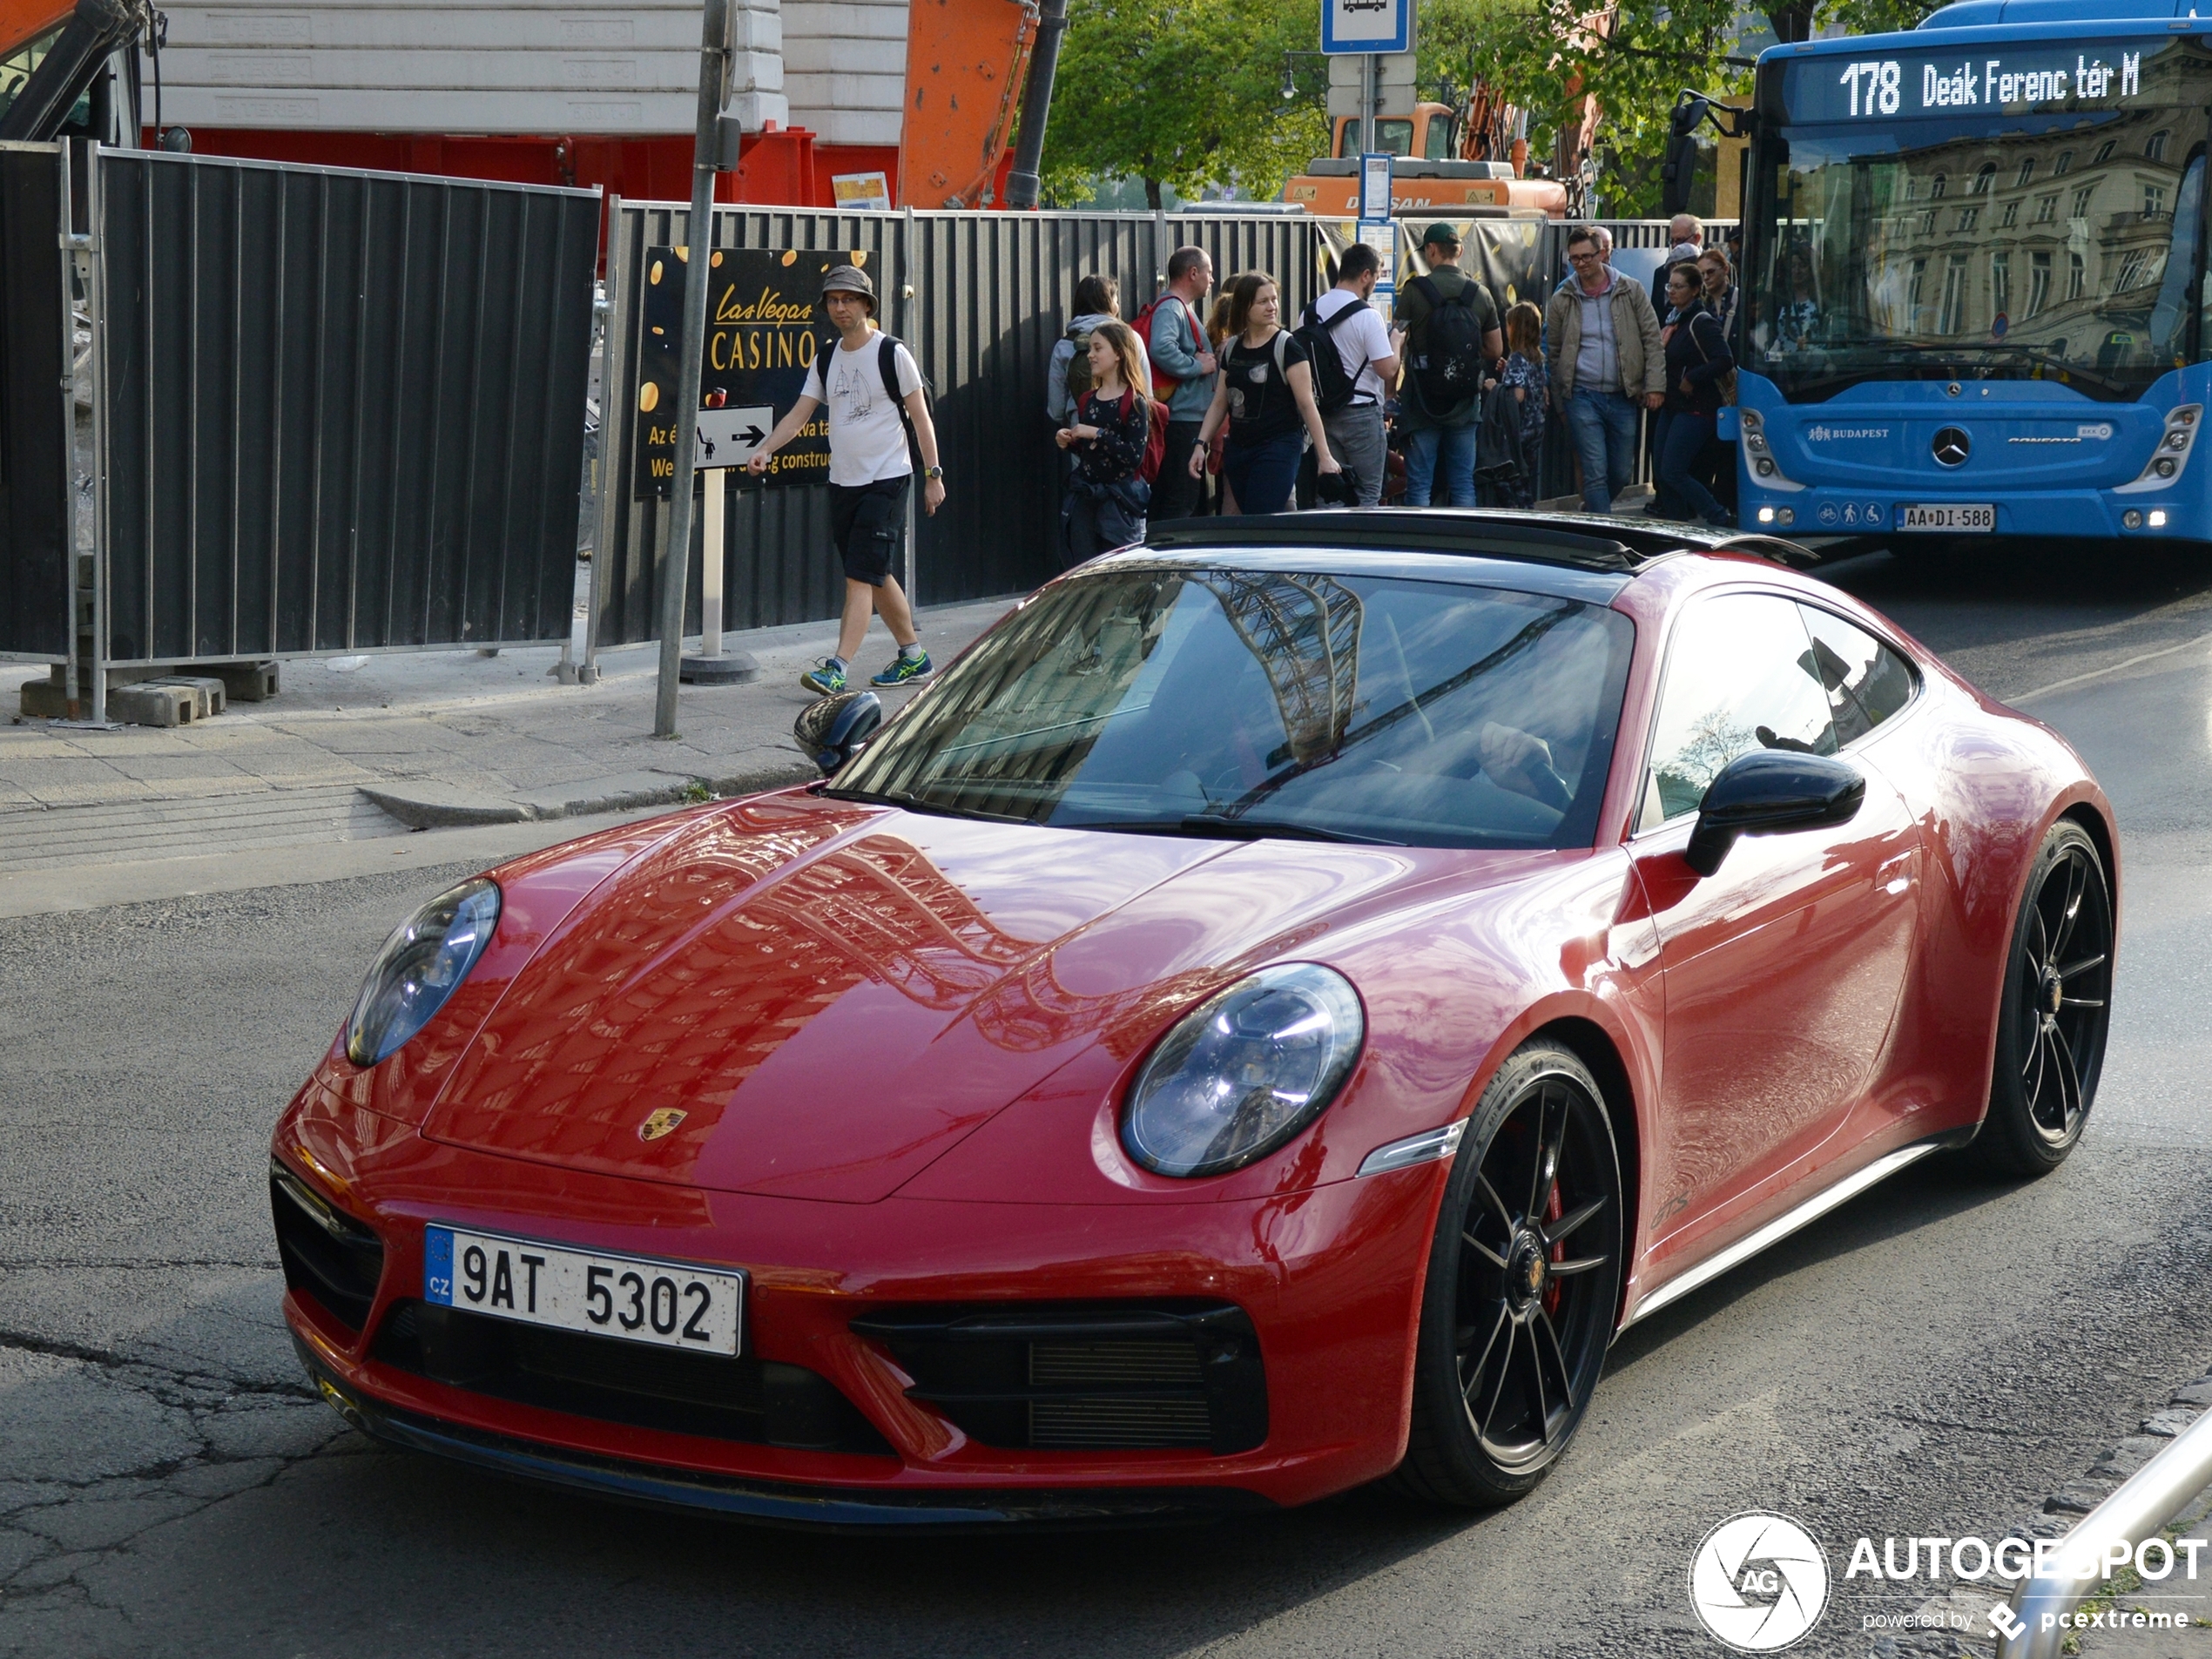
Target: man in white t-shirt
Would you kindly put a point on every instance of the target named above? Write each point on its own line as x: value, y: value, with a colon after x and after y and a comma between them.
x: 1369, y: 353
x: 870, y: 469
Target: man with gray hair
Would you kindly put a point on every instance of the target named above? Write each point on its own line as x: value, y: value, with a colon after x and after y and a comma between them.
x: 1606, y: 359
x: 1685, y: 240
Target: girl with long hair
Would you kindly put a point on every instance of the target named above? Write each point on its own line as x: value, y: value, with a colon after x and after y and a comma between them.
x: 1266, y: 390
x: 1524, y: 374
x: 1106, y: 497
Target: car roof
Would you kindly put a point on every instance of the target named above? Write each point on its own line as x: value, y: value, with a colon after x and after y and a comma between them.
x: 1592, y: 541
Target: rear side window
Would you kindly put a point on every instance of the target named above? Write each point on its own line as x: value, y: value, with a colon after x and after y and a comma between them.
x: 1865, y: 680
x: 1740, y: 677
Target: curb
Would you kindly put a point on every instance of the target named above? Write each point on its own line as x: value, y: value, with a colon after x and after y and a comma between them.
x: 438, y: 806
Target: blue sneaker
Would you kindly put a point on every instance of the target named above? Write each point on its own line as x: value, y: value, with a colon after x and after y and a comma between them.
x: 826, y: 678
x: 905, y: 671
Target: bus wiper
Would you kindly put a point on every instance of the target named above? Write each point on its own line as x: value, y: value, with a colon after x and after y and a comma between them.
x: 2074, y: 371
x: 1235, y: 829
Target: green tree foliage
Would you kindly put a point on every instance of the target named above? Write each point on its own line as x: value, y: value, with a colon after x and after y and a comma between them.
x: 1185, y: 93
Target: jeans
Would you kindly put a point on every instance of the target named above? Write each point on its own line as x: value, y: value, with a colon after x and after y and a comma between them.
x: 1604, y: 428
x: 1680, y: 451
x: 1356, y: 440
x: 1262, y: 474
x: 1445, y: 451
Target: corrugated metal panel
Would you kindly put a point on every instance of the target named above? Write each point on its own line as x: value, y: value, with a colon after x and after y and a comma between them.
x: 344, y: 410
x: 991, y: 294
x: 34, y: 415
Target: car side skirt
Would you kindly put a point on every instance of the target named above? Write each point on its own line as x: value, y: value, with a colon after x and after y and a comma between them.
x: 1782, y: 1226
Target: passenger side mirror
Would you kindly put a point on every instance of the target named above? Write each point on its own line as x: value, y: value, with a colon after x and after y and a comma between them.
x: 832, y: 731
x: 1767, y: 792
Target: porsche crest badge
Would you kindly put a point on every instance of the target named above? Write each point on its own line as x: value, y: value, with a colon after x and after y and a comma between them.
x: 660, y: 1123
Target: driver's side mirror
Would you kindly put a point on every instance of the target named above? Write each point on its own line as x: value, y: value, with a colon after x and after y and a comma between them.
x: 1767, y: 792
x: 832, y: 729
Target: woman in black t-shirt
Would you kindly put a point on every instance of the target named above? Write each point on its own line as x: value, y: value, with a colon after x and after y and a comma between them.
x: 1266, y: 391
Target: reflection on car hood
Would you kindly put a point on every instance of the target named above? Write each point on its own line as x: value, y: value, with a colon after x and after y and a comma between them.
x: 833, y: 995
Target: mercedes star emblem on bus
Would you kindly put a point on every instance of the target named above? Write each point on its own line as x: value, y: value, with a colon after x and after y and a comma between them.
x: 1952, y: 446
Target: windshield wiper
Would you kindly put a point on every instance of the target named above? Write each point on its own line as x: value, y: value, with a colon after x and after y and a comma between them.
x: 917, y: 804
x: 1957, y: 359
x: 1240, y: 829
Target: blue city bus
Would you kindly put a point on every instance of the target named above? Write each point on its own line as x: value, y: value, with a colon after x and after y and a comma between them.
x: 1974, y: 294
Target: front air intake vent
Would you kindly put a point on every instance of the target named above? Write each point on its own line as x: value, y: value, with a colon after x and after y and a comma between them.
x: 1085, y: 1377
x: 327, y: 1255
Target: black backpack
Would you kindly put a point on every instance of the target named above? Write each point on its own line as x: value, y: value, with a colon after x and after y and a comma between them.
x: 1447, y: 370
x: 1499, y: 480
x: 1333, y: 387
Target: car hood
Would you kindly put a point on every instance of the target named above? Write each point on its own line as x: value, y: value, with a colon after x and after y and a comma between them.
x: 831, y: 995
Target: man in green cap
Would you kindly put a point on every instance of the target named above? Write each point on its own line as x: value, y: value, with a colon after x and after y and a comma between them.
x: 1451, y: 341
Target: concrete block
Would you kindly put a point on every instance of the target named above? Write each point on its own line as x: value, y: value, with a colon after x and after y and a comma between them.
x: 428, y: 804
x: 45, y: 700
x: 208, y: 692
x: 247, y: 682
x: 152, y: 704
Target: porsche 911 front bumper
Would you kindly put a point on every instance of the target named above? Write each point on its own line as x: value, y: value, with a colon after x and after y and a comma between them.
x: 908, y: 1362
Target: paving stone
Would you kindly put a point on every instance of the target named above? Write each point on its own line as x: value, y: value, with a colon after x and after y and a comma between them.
x: 2198, y: 1393
x: 2170, y: 1422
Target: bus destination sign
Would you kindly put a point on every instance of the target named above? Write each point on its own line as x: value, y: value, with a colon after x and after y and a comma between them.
x: 2006, y: 79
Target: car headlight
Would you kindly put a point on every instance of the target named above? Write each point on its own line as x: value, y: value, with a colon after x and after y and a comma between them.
x: 1244, y: 1071
x: 427, y: 956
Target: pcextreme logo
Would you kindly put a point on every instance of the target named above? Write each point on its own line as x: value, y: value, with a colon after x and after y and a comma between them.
x: 1758, y: 1582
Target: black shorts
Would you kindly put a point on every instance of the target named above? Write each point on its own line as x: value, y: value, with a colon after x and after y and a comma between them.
x: 868, y: 524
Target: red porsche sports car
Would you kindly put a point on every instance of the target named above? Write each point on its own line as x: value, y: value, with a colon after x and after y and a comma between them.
x: 1261, y: 1022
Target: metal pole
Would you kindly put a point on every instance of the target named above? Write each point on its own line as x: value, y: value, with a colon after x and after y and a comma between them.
x: 710, y: 569
x: 93, y: 265
x: 1021, y: 183
x: 2141, y: 1509
x: 699, y: 231
x: 1370, y: 96
x: 616, y: 411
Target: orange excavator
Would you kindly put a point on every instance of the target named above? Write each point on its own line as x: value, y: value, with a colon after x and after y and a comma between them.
x: 60, y: 67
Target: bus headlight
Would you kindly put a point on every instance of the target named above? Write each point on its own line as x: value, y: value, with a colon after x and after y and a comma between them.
x: 2172, y: 453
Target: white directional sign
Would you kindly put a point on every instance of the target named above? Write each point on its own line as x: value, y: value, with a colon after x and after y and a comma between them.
x: 1366, y: 26
x: 728, y: 437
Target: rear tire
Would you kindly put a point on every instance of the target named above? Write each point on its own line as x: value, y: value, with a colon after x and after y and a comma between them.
x: 1524, y: 1283
x: 2056, y: 1010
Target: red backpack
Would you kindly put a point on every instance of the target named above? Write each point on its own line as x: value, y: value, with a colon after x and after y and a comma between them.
x: 1155, y: 437
x: 1163, y: 385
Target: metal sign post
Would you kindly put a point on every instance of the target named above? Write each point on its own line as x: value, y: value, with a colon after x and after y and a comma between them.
x: 676, y: 557
x: 726, y: 439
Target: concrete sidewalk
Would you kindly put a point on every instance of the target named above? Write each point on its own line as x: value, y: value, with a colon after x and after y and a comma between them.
x: 360, y: 749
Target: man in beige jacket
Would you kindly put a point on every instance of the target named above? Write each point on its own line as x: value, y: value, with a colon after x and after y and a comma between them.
x: 1605, y: 355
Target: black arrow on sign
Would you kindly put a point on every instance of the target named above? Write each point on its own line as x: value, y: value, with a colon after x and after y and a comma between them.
x: 753, y: 435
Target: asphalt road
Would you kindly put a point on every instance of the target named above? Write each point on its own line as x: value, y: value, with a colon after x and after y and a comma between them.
x: 1934, y: 1358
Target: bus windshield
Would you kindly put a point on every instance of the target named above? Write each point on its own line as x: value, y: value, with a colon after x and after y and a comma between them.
x: 1920, y: 227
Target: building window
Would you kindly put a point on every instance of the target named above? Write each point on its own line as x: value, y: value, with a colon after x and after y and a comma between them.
x: 2000, y: 284
x: 2104, y: 149
x: 1986, y: 177
x: 2081, y: 198
x: 1936, y: 189
x: 1917, y: 294
x: 2039, y: 283
x: 2153, y: 201
x: 2047, y: 208
x: 2011, y: 215
x: 2155, y: 150
x: 2060, y: 166
x: 1954, y: 296
x: 1967, y: 217
x: 2027, y: 172
x: 2077, y: 276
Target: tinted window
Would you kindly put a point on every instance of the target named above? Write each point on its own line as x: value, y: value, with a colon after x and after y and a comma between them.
x: 1430, y: 713
x: 1739, y: 677
x: 1867, y: 682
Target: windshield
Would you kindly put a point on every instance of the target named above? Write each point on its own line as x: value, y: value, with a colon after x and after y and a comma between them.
x: 1232, y: 702
x: 1953, y: 239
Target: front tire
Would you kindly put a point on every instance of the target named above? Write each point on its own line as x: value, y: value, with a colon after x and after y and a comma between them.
x: 2055, y: 1011
x: 1524, y: 1281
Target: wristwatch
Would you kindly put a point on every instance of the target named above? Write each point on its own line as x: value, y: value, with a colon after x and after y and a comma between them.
x: 935, y: 474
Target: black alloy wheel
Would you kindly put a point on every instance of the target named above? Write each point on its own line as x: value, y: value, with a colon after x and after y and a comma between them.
x: 2056, y: 1009
x: 1524, y: 1284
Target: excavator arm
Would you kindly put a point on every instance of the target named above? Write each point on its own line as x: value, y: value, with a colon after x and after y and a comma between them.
x: 91, y: 30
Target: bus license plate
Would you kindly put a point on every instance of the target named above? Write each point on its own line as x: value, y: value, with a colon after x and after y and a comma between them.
x: 1973, y: 516
x: 669, y: 1305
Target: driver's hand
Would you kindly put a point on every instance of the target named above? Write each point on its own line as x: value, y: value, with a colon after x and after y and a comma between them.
x: 1513, y: 760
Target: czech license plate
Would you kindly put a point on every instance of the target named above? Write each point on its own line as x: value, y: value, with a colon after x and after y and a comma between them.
x: 1954, y: 515
x: 669, y: 1305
